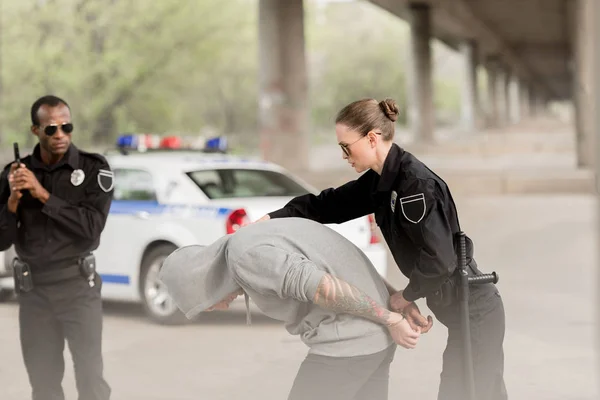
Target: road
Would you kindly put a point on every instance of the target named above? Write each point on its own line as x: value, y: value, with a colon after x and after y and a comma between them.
x: 542, y: 247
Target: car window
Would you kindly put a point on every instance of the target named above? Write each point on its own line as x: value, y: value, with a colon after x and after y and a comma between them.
x: 235, y: 183
x: 133, y: 184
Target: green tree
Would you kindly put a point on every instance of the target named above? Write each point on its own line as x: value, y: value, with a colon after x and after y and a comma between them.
x: 121, y: 64
x: 356, y: 52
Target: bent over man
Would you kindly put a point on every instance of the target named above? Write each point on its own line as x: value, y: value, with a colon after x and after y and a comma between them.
x: 314, y: 280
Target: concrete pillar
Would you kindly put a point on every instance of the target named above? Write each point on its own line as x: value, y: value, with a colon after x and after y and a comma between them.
x: 283, y: 84
x: 520, y: 111
x: 469, y: 94
x: 515, y: 100
x: 533, y: 109
x: 492, y: 93
x: 596, y: 128
x: 584, y: 101
x: 421, y: 112
x: 585, y: 38
x: 506, y: 104
x: 501, y: 110
x: 523, y: 100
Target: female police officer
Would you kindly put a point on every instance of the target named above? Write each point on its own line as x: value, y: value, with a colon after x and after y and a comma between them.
x: 417, y: 216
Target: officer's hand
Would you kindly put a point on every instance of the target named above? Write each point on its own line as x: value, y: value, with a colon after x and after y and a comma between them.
x: 416, y: 320
x: 397, y: 302
x: 15, y: 195
x: 264, y: 218
x: 401, y: 331
x: 24, y: 179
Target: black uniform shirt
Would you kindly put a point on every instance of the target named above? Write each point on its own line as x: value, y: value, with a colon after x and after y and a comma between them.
x: 412, y: 206
x: 68, y: 226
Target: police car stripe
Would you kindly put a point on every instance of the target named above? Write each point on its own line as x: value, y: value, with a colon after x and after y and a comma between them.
x: 114, y: 278
x: 124, y: 207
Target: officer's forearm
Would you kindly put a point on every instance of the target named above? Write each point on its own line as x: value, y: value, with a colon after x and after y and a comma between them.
x: 421, y: 285
x: 86, y: 220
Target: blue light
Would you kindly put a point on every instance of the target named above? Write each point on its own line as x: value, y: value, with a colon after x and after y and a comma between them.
x: 218, y: 143
x: 127, y: 141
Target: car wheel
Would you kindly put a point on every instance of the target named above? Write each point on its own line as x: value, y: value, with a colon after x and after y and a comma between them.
x: 157, y: 303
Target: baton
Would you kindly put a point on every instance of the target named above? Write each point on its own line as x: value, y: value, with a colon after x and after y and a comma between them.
x: 463, y: 295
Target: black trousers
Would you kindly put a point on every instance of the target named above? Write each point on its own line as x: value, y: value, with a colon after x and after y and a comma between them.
x: 48, y: 315
x: 487, y: 325
x: 344, y: 378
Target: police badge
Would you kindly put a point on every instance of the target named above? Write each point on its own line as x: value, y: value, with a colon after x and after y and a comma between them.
x: 77, y: 177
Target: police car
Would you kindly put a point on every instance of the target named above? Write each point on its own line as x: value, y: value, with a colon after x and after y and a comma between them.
x: 168, y: 195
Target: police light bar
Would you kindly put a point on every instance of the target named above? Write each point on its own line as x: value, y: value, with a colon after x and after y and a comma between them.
x: 170, y: 142
x: 139, y: 142
x: 147, y: 142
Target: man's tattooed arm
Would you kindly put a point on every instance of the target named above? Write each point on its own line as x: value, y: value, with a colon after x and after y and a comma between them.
x: 337, y: 295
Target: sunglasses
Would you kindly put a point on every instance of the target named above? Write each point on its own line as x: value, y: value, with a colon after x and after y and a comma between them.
x: 346, y: 147
x: 53, y: 128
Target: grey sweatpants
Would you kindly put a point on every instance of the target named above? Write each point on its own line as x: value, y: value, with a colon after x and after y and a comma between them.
x: 344, y: 378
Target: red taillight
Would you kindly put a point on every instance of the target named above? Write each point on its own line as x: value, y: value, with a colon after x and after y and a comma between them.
x: 236, y: 220
x: 373, y: 226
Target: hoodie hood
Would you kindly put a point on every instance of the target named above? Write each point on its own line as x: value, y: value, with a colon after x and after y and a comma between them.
x: 198, y: 277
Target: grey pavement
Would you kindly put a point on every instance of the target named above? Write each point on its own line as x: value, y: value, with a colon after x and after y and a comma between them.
x: 543, y: 247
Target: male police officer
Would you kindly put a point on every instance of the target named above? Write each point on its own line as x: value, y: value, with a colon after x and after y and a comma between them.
x: 53, y: 208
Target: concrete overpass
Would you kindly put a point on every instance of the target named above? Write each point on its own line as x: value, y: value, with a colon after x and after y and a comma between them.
x: 543, y: 47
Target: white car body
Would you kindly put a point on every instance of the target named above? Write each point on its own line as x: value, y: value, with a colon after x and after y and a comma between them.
x: 179, y: 213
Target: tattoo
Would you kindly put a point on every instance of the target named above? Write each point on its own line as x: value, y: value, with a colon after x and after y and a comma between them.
x: 337, y: 295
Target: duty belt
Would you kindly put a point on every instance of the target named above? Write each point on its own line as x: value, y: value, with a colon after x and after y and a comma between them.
x: 69, y: 270
x: 54, y: 276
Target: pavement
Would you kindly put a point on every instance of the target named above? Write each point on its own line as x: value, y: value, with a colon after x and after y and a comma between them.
x: 543, y: 246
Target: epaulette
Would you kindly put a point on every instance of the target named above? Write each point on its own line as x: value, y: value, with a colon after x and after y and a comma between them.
x: 95, y: 156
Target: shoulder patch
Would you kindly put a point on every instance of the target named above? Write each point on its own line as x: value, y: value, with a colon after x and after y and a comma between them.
x: 413, y: 207
x: 106, y: 180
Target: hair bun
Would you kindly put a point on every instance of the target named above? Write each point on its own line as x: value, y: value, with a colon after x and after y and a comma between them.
x: 390, y: 109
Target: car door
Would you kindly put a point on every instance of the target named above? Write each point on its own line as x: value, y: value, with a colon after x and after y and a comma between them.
x: 127, y: 232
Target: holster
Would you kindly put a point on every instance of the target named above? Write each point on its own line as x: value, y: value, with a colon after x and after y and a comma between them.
x: 87, y: 267
x: 22, y: 276
x: 447, y: 293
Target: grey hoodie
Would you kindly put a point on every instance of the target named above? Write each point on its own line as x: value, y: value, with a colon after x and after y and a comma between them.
x: 279, y: 263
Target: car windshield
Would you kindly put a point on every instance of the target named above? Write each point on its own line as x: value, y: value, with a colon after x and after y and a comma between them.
x: 239, y: 183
